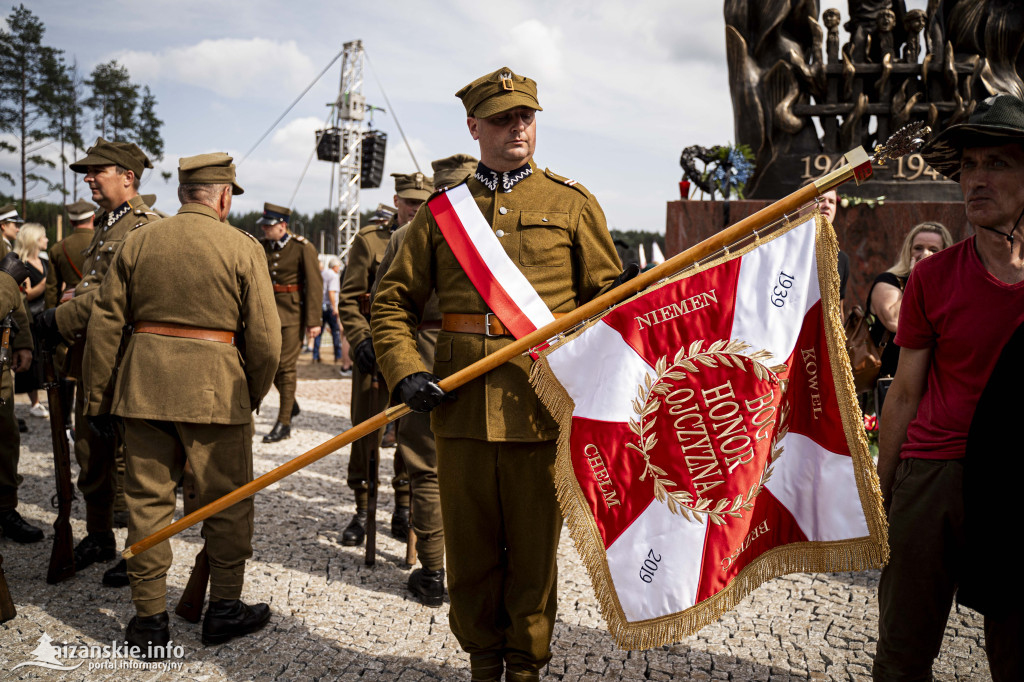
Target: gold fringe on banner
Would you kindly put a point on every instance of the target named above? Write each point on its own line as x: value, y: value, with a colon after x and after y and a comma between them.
x: 855, y: 554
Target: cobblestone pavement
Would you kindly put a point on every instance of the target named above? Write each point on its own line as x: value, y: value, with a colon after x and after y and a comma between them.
x: 336, y: 619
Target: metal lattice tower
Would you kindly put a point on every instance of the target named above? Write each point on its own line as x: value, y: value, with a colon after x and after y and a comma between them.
x: 350, y: 113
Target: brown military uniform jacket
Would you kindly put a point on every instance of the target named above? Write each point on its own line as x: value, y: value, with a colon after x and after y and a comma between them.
x: 110, y: 230
x: 296, y: 263
x: 10, y: 295
x: 363, y: 262
x: 19, y: 312
x: 67, y: 260
x: 555, y: 232
x: 190, y: 269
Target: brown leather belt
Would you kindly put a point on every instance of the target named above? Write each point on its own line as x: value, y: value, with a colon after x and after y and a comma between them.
x: 285, y: 288
x: 488, y: 325
x: 429, y: 325
x: 185, y: 332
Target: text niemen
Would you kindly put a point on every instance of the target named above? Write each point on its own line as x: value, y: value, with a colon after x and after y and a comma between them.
x: 674, y: 310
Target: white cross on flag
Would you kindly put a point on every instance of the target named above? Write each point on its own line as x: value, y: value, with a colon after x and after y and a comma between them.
x: 711, y: 438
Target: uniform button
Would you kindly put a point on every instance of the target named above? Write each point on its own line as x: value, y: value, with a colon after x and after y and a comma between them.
x: 502, y: 210
x: 543, y: 220
x: 93, y: 272
x: 101, y: 242
x: 97, y: 257
x: 85, y: 284
x: 499, y: 233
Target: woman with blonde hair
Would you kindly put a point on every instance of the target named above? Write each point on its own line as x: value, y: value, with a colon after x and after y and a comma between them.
x: 886, y: 294
x: 30, y: 242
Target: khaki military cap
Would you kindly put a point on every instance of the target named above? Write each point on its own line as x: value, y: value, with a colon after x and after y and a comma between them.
x: 9, y: 214
x: 413, y: 185
x: 453, y: 169
x: 123, y: 154
x: 497, y: 92
x: 208, y: 169
x: 274, y: 214
x: 80, y: 210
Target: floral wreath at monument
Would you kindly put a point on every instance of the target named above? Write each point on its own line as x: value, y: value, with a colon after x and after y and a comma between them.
x: 726, y: 168
x: 731, y: 354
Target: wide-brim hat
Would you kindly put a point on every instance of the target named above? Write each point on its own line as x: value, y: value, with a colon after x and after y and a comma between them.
x: 105, y: 153
x: 497, y: 92
x: 995, y: 121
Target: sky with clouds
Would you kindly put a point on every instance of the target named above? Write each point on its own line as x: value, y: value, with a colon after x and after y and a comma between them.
x: 625, y: 86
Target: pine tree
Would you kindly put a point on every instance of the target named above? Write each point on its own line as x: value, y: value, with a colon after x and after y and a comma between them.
x: 123, y: 112
x: 27, y: 69
x: 65, y: 119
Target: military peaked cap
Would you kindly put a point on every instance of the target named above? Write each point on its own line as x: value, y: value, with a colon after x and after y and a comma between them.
x: 9, y: 214
x: 497, y: 92
x: 123, y: 154
x: 274, y: 214
x: 413, y: 185
x: 208, y: 169
x: 80, y: 210
x: 452, y: 170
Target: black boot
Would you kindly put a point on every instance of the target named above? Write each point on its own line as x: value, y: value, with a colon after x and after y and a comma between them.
x: 117, y: 576
x: 279, y: 432
x: 17, y: 528
x: 428, y: 586
x: 355, y: 531
x: 230, y: 618
x: 94, y: 547
x: 400, y: 524
x: 147, y: 633
x: 295, y: 409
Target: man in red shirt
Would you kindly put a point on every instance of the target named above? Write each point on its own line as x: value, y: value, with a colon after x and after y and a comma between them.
x: 960, y: 308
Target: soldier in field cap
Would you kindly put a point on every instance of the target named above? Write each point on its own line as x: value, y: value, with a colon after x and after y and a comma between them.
x: 113, y: 171
x: 202, y: 356
x: 496, y: 443
x: 298, y: 288
x: 10, y: 224
x: 354, y: 312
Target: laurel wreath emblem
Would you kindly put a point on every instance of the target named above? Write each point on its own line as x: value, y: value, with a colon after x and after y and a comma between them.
x: 730, y: 354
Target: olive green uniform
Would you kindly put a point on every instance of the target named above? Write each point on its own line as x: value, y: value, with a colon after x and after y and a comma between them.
x: 294, y: 264
x: 415, y: 439
x: 496, y: 442
x: 10, y: 438
x: 67, y: 260
x: 363, y: 262
x: 96, y: 454
x: 185, y: 399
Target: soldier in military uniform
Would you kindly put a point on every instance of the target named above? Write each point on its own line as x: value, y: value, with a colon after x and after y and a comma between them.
x: 113, y: 171
x: 67, y: 257
x: 369, y: 395
x: 298, y: 289
x: 202, y: 356
x: 496, y: 443
x: 415, y: 439
x: 12, y: 525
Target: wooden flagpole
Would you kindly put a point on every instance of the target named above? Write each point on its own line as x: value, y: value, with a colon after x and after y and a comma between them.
x: 858, y: 167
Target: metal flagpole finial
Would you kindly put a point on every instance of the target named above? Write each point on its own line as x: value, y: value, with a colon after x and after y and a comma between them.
x: 906, y: 140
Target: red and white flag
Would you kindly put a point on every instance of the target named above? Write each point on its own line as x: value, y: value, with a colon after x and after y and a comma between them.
x: 711, y: 438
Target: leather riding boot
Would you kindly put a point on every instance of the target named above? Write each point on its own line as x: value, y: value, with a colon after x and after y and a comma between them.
x: 279, y: 432
x: 230, y: 618
x: 355, y: 531
x: 94, y: 547
x: 148, y: 633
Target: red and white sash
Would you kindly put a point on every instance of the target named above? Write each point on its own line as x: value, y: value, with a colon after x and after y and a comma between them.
x: 504, y: 288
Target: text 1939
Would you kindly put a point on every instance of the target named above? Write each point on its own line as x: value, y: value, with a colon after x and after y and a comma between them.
x: 781, y: 289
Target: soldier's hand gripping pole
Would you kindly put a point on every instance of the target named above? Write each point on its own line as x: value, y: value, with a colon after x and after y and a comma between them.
x: 62, y: 555
x: 858, y: 166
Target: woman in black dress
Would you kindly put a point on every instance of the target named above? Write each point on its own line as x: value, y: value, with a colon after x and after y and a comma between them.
x: 30, y: 242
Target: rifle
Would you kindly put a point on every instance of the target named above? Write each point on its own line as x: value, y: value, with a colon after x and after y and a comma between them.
x: 904, y: 141
x: 7, y: 610
x: 190, y: 606
x: 62, y: 556
x: 410, y: 547
x: 372, y: 467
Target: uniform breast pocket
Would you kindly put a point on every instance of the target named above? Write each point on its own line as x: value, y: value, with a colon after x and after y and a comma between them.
x: 545, y: 238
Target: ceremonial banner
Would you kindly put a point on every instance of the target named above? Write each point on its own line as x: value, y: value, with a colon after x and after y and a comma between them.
x: 711, y: 439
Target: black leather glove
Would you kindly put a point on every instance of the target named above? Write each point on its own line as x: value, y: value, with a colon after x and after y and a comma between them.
x: 628, y: 273
x: 46, y: 325
x: 420, y: 392
x: 103, y: 425
x: 13, y: 266
x: 366, y: 359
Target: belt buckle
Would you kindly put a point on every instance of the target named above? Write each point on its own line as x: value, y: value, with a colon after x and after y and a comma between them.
x: 487, y: 325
